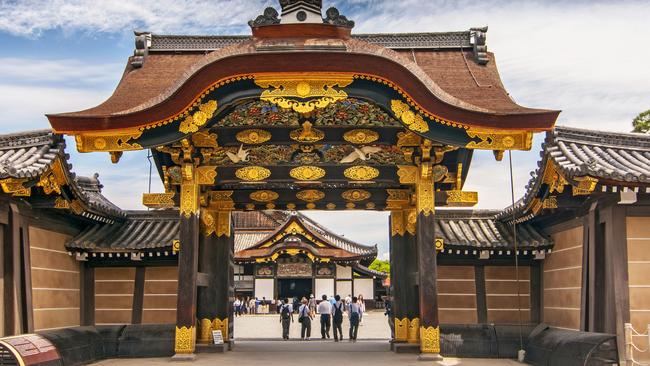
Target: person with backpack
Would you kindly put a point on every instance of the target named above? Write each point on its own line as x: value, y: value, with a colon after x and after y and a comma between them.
x: 337, y: 318
x: 355, y: 316
x: 325, y: 311
x: 304, y: 318
x: 286, y: 318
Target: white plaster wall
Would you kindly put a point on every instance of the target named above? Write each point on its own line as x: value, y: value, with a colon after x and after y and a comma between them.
x: 324, y: 286
x: 343, y: 288
x: 343, y: 272
x: 264, y: 288
x: 364, y: 286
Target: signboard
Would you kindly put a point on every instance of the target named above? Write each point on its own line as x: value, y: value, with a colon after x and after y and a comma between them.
x: 217, y: 337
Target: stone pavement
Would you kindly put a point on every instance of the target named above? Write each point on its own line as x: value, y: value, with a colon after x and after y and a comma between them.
x: 300, y: 353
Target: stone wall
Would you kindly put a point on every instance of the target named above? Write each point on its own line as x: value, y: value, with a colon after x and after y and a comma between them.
x: 501, y: 294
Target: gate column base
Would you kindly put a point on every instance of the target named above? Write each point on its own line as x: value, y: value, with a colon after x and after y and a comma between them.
x: 430, y: 357
x: 183, y: 357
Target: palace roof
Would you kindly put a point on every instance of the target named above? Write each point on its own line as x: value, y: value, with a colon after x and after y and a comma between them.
x: 609, y: 161
x: 480, y: 229
x: 27, y: 157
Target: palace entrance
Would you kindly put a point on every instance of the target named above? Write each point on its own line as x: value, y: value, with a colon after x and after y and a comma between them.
x: 302, y: 117
x: 290, y: 288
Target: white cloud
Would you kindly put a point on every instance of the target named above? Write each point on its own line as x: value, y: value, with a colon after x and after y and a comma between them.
x: 32, y: 17
x: 58, y: 72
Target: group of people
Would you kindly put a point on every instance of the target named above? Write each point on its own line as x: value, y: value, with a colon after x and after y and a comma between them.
x: 331, y: 312
x: 251, y: 305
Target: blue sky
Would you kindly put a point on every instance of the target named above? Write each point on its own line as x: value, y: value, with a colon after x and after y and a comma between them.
x: 587, y: 58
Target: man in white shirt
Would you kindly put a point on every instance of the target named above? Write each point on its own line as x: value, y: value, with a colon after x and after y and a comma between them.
x: 325, y: 310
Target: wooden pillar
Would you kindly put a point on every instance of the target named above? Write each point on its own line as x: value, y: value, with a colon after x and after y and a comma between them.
x: 87, y: 296
x: 481, y: 297
x: 13, y: 290
x: 187, y: 266
x: 427, y: 265
x: 536, y: 292
x: 216, y: 248
x: 406, y: 307
x: 138, y: 295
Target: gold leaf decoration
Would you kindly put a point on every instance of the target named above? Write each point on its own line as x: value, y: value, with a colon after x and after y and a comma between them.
x: 430, y: 339
x: 158, y: 200
x: 310, y: 195
x: 184, y: 340
x: 264, y: 196
x: 222, y: 325
x: 413, y: 335
x: 254, y: 136
x: 307, y: 173
x: 307, y: 134
x: 440, y: 244
x: 118, y: 141
x: 401, y: 329
x: 253, y: 173
x: 361, y: 173
x: 457, y: 198
x: 500, y: 140
x: 205, y: 175
x: 361, y: 136
x: 355, y: 195
x: 193, y: 122
x: 303, y: 93
x: 205, y: 139
x: 407, y: 174
x: 412, y: 120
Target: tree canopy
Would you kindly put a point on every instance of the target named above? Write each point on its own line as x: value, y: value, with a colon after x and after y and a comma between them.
x: 381, y: 266
x: 642, y: 122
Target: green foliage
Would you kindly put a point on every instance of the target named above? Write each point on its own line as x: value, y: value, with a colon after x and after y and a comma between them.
x: 642, y: 122
x: 381, y: 266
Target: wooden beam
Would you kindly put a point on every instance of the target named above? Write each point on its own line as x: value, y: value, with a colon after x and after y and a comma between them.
x: 87, y: 295
x: 138, y: 295
x: 428, y: 286
x: 481, y: 297
x: 26, y: 275
x: 536, y: 293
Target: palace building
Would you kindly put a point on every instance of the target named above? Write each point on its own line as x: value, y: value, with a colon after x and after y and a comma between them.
x: 248, y: 132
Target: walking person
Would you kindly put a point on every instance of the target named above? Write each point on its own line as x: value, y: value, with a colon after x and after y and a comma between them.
x: 312, y: 304
x: 362, y: 308
x: 354, y: 315
x: 304, y: 318
x: 325, y: 310
x: 286, y: 318
x: 389, y: 313
x: 237, y: 307
x: 337, y: 318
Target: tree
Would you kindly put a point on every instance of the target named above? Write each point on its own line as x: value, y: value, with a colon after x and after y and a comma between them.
x: 642, y: 122
x: 381, y: 266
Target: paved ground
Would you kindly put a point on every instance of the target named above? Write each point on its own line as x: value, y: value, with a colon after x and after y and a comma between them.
x: 298, y: 353
x: 258, y: 342
x: 268, y: 327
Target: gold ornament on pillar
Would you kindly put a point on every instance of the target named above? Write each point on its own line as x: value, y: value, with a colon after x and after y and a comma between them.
x: 205, y: 331
x: 424, y: 190
x: 222, y: 325
x: 184, y: 340
x: 413, y: 335
x: 401, y: 329
x: 397, y: 224
x: 430, y: 339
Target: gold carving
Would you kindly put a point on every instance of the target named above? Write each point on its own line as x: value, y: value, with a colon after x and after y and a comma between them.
x: 550, y: 202
x: 158, y: 200
x: 397, y: 199
x: 412, y: 120
x: 457, y: 198
x: 205, y: 331
x: 310, y: 195
x: 311, y: 91
x: 370, y: 205
x: 108, y: 141
x: 408, y: 138
x: 355, y: 195
x: 401, y: 329
x: 430, y: 339
x: 585, y: 186
x: 253, y: 137
x: 330, y: 206
x: 407, y: 174
x: 500, y: 140
x: 425, y: 195
x: 189, y: 198
x: 115, y: 156
x: 361, y: 136
x: 184, y: 340
x: 205, y: 175
x: 307, y: 173
x: 61, y: 203
x: 253, y: 173
x: 222, y: 325
x: 413, y: 335
x: 440, y: 244
x: 205, y: 139
x: 439, y: 172
x: 176, y: 246
x: 14, y: 186
x: 291, y: 206
x: 361, y: 173
x: 264, y: 196
x: 411, y: 218
x: 193, y: 122
x: 397, y: 223
x: 307, y: 134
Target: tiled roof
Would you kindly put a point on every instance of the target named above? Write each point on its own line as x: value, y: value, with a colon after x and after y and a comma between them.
x: 612, y: 158
x: 441, y: 40
x: 89, y: 189
x: 29, y: 154
x: 480, y: 229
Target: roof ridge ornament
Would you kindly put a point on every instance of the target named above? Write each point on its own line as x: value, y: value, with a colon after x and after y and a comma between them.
x: 479, y: 43
x: 335, y: 18
x: 301, y: 12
